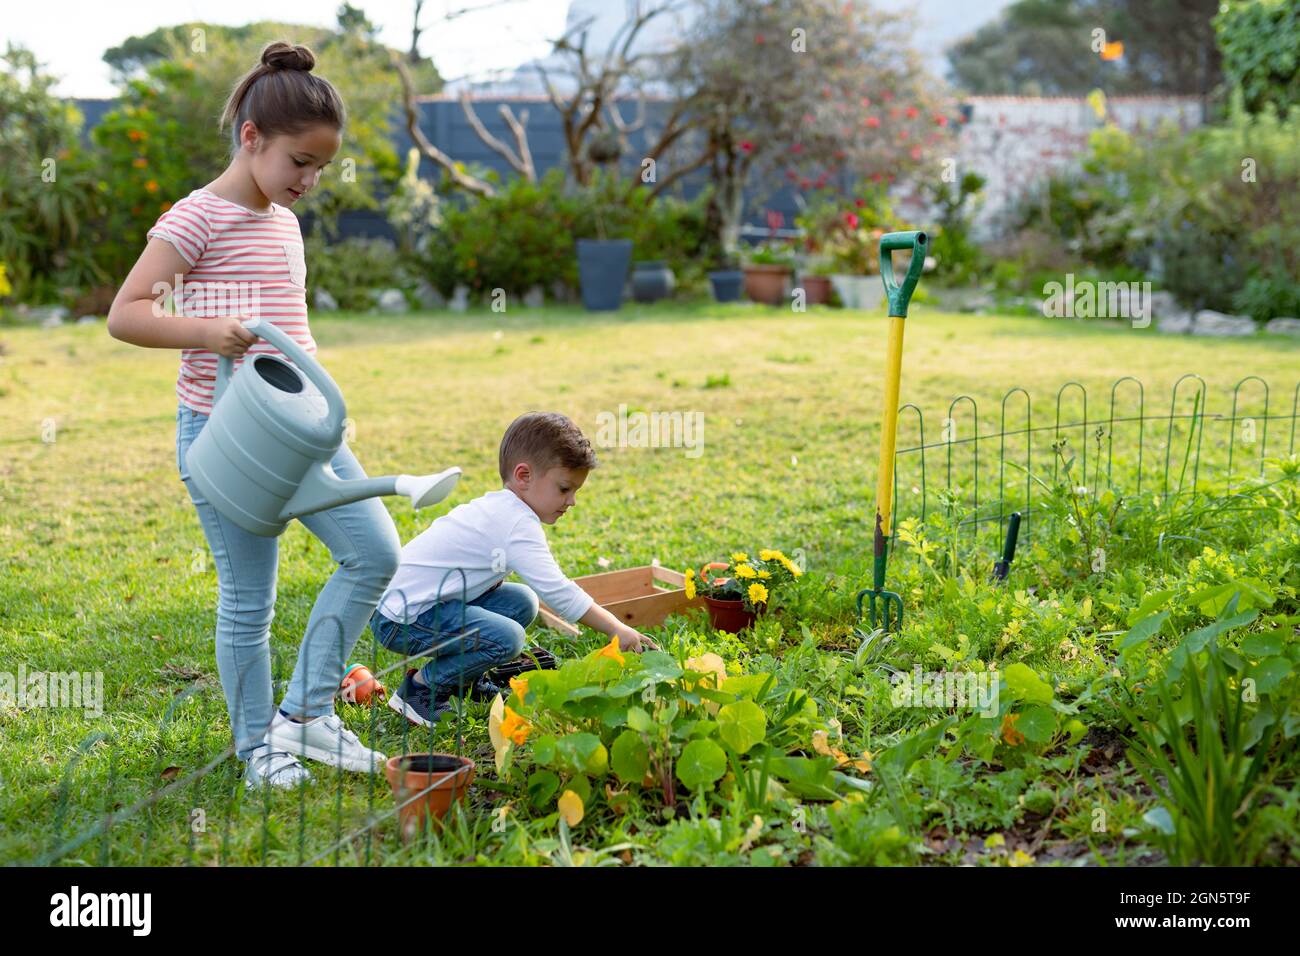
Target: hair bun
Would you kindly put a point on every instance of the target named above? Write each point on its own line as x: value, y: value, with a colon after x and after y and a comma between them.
x: 283, y: 56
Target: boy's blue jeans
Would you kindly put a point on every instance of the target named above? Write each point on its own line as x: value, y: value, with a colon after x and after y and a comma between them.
x: 362, y: 540
x: 466, y: 640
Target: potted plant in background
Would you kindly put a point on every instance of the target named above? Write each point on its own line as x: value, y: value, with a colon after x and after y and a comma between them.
x: 843, y: 236
x: 734, y: 601
x: 603, y: 262
x: 768, y: 272
x: 815, y: 280
x: 856, y: 267
x: 727, y: 279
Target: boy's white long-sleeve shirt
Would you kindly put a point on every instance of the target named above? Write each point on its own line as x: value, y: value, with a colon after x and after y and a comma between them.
x: 487, y: 538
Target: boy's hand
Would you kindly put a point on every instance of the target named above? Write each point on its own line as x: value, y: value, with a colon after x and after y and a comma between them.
x: 227, y: 336
x: 633, y: 640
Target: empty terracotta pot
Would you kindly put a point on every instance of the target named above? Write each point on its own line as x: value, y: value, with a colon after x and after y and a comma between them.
x: 424, y: 786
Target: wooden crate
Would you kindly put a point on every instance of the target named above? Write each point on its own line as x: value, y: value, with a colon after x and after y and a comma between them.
x: 637, y: 597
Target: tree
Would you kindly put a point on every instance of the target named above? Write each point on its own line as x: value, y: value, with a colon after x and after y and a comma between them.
x: 808, y: 89
x: 187, y: 72
x: 1047, y: 48
x: 1261, y: 52
x: 593, y: 124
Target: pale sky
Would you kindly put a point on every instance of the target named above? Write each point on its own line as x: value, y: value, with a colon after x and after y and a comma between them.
x: 72, y: 35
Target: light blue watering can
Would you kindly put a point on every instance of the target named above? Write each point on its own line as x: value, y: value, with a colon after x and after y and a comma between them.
x: 264, y: 456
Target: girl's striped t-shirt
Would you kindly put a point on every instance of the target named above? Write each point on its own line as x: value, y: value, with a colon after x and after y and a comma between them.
x: 244, y: 264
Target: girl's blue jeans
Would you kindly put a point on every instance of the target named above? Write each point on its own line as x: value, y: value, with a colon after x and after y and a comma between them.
x: 362, y: 540
x: 465, y: 640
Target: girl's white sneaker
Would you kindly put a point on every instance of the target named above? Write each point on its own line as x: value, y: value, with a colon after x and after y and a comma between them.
x: 324, y: 739
x: 274, y: 768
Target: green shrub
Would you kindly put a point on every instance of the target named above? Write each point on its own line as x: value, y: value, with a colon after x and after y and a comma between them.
x: 351, y: 269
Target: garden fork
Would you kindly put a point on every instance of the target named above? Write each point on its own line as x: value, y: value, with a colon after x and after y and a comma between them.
x: 886, y: 607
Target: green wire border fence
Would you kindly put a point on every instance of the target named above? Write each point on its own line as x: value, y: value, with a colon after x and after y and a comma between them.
x: 1184, y: 427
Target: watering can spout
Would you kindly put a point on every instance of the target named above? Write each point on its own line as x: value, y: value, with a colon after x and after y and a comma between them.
x: 321, y: 488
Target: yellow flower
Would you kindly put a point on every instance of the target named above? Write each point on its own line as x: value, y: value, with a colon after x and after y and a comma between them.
x: 611, y: 651
x: 514, y: 727
x: 740, y: 557
x: 764, y: 574
x: 789, y: 565
x: 690, y: 586
x: 745, y: 571
x: 770, y: 554
x: 520, y: 686
x: 757, y: 593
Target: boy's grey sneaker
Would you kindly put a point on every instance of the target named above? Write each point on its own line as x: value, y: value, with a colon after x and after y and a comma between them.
x: 324, y: 739
x: 274, y: 768
x: 417, y: 702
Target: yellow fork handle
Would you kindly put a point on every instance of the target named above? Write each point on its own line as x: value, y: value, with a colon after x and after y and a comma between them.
x: 889, y: 428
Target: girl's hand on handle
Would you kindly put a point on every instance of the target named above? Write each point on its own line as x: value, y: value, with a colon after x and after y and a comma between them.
x: 228, y: 337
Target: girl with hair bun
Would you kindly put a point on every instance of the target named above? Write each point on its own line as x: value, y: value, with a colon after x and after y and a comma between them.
x: 238, y: 239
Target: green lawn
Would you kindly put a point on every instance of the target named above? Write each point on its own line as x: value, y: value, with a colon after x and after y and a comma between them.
x: 98, y: 543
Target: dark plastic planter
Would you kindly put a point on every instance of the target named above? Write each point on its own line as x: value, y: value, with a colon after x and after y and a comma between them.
x: 602, y: 272
x: 652, y: 281
x: 726, y: 284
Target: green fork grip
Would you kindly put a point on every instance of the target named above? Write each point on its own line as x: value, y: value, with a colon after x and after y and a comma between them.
x: 900, y: 295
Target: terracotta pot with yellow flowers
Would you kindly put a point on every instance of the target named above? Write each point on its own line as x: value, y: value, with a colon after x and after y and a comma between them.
x: 734, y: 600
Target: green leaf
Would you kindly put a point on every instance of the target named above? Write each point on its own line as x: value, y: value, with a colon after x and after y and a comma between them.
x: 1150, y: 604
x: 741, y: 725
x: 542, y: 785
x: 745, y: 685
x: 630, y: 757
x: 1026, y: 685
x: 583, y: 753
x: 1038, y: 724
x: 544, y: 750
x: 1262, y: 645
x: 808, y: 777
x: 702, y: 763
x: 1143, y: 630
x: 659, y: 667
x: 639, y: 720
x: 1269, y: 673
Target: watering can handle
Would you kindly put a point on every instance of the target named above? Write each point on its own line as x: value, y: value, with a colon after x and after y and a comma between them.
x: 900, y: 295
x: 300, y: 357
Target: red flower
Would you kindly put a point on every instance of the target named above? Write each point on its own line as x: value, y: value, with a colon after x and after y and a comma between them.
x: 821, y: 181
x: 876, y: 177
x: 791, y: 175
x: 746, y: 146
x: 797, y: 148
x: 804, y: 183
x: 859, y: 203
x: 866, y: 101
x: 851, y: 220
x: 775, y: 219
x: 887, y: 96
x: 902, y: 134
x: 839, y: 154
x: 916, y: 152
x: 941, y: 120
x: 758, y: 38
x: 912, y: 112
x: 873, y: 122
